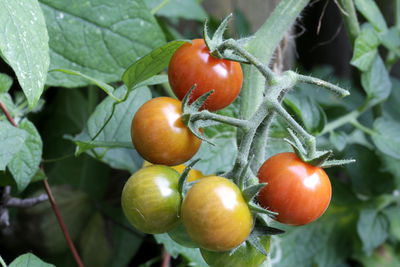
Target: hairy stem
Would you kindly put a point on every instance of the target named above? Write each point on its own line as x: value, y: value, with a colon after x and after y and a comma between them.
x: 206, y: 115
x: 321, y: 83
x: 2, y: 262
x: 263, y: 46
x: 350, y: 19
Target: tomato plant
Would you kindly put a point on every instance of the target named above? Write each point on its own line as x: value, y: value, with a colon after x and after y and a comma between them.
x: 215, y: 215
x: 244, y: 255
x: 193, y: 64
x: 159, y: 134
x: 150, y: 199
x: 299, y: 192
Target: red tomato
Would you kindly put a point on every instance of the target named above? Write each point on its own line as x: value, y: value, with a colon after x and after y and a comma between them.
x: 215, y: 214
x: 159, y: 134
x: 193, y: 64
x: 299, y: 192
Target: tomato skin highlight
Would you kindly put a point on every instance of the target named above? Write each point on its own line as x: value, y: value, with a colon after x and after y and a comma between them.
x: 299, y: 192
x: 215, y: 215
x: 193, y: 64
x: 150, y: 199
x: 159, y: 134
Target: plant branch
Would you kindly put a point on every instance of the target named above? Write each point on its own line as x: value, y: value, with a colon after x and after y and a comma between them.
x: 340, y: 122
x: 9, y: 117
x: 51, y: 199
x: 61, y: 222
x: 321, y: 83
x: 206, y: 115
x: 15, y: 202
x: 166, y: 259
x: 159, y: 6
x: 350, y: 20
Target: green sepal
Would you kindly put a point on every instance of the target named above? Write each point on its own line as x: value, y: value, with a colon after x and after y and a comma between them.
x: 250, y: 192
x: 336, y: 162
x: 183, y: 178
x: 255, y: 242
x: 266, y: 230
x: 319, y: 159
x: 258, y: 209
x: 218, y: 37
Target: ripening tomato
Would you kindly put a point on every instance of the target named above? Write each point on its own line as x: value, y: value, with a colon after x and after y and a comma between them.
x: 193, y: 64
x: 150, y: 199
x: 215, y: 214
x: 244, y: 256
x: 299, y: 192
x: 159, y: 134
x: 193, y: 174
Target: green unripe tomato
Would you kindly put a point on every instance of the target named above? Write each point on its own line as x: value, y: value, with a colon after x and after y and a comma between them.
x: 150, y: 199
x: 180, y: 236
x: 244, y: 255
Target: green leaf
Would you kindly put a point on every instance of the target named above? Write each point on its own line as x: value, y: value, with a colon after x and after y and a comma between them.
x: 150, y: 64
x: 114, y: 143
x: 307, y: 111
x: 338, y: 140
x: 174, y: 249
x: 221, y: 156
x: 12, y: 140
x: 386, y: 136
x: 391, y: 40
x: 364, y: 173
x: 372, y: 227
x: 365, y: 48
x: 29, y: 260
x: 98, y: 39
x: 5, y: 83
x: 391, y: 105
x: 393, y: 215
x: 185, y: 9
x: 371, y: 12
x: 24, y: 45
x: 250, y: 192
x: 376, y: 82
x: 392, y: 165
x: 125, y: 243
x: 94, y: 246
x: 25, y: 163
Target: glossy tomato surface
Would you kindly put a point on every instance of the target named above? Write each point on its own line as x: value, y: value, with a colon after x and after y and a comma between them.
x: 215, y: 215
x: 193, y: 64
x: 299, y: 192
x: 150, y: 199
x: 244, y: 256
x: 159, y: 134
x: 193, y: 173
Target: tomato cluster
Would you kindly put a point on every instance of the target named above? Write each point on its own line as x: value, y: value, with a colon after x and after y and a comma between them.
x: 213, y: 213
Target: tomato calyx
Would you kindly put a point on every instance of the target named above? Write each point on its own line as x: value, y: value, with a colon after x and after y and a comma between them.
x: 216, y: 43
x: 315, y: 158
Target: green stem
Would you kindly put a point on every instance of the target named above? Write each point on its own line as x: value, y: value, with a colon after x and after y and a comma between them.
x: 361, y: 127
x: 315, y: 81
x: 263, y: 69
x: 3, y: 264
x: 307, y: 138
x: 340, y: 122
x: 206, y: 115
x: 161, y: 5
x: 350, y: 19
x: 265, y: 41
x: 57, y: 159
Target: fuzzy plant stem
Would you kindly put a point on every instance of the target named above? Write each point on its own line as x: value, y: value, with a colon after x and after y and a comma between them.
x: 350, y: 20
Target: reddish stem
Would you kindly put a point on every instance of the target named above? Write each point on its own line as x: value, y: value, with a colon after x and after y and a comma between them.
x: 5, y: 111
x: 166, y: 259
x: 61, y: 222
x: 51, y: 199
